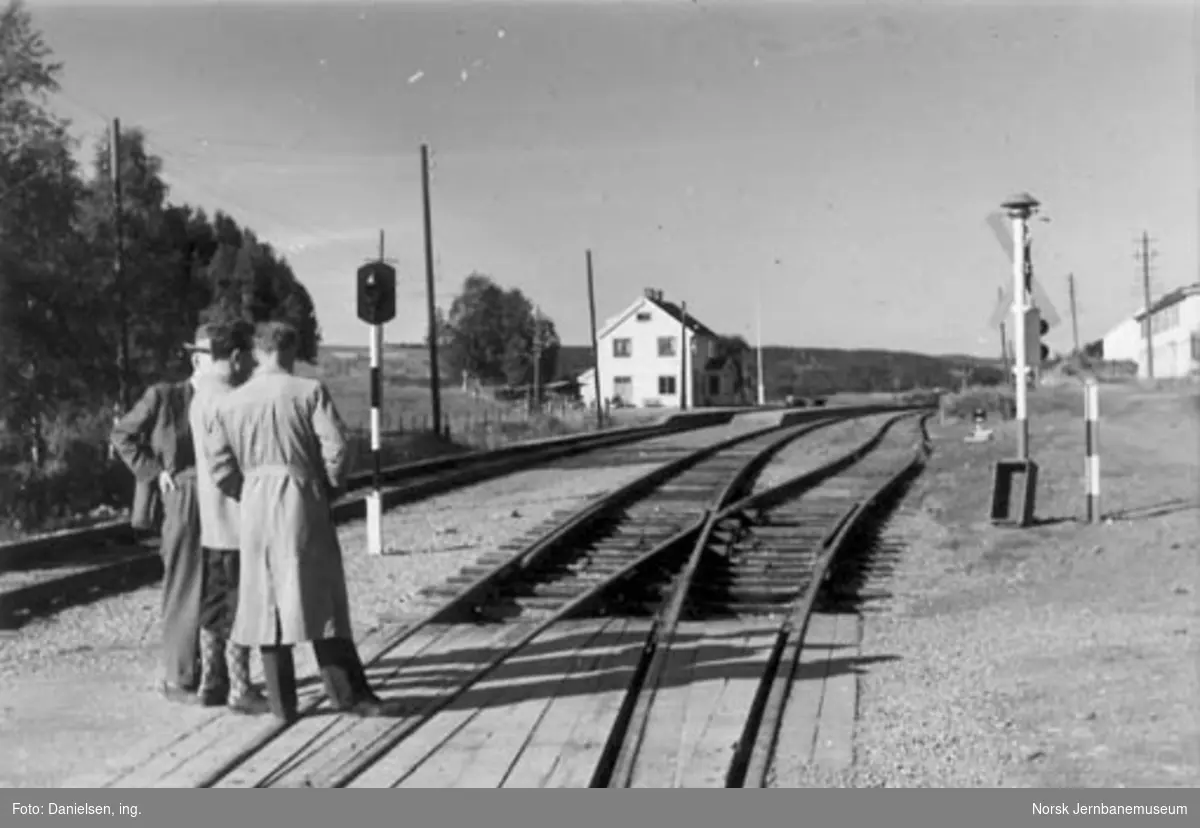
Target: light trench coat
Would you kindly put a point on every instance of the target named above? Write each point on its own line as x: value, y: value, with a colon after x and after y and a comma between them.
x: 279, y: 438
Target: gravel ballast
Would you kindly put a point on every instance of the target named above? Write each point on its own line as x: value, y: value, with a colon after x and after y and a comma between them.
x: 814, y: 450
x: 1052, y: 656
x: 76, y: 687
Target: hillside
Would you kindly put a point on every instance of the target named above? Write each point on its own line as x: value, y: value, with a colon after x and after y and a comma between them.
x: 788, y: 370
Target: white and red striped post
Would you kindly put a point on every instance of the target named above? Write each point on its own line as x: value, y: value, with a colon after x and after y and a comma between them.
x: 375, y: 496
x: 1091, y: 414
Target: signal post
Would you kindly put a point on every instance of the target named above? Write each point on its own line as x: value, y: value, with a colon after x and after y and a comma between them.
x: 376, y: 307
x: 1027, y: 332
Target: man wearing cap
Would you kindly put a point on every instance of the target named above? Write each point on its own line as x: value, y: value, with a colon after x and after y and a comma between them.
x: 279, y: 448
x: 154, y: 440
x: 224, y: 665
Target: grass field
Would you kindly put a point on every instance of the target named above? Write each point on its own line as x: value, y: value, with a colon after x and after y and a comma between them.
x: 82, y: 484
x: 1059, y: 655
x: 471, y: 421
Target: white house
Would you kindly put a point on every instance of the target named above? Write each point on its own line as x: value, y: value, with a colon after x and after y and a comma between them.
x: 1174, y: 335
x: 641, y: 359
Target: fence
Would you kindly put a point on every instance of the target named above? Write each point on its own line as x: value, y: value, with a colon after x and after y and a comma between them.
x: 409, y: 436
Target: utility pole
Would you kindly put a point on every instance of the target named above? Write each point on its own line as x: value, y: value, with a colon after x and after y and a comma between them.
x: 1004, y: 342
x: 1004, y: 350
x: 595, y: 343
x: 1074, y: 312
x: 124, y: 391
x: 435, y: 381
x: 537, y: 357
x: 683, y: 357
x: 762, y: 389
x: 1147, y: 330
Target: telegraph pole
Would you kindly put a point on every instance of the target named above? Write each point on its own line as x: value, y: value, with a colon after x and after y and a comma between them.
x: 435, y: 381
x: 683, y: 357
x: 1074, y: 312
x: 537, y: 357
x: 1147, y: 330
x: 762, y: 388
x: 1004, y: 350
x: 114, y: 144
x: 1004, y: 342
x: 595, y: 342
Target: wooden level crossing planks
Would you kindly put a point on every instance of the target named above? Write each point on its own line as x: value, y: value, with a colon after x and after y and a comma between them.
x: 499, y: 722
x: 312, y: 756
x: 564, y: 748
x: 817, y: 725
x: 712, y: 673
x: 441, y: 751
x: 159, y: 758
x: 833, y: 748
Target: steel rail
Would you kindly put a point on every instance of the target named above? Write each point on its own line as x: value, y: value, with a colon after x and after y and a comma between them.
x: 757, y: 743
x: 470, y: 597
x: 141, y: 565
x: 619, y: 756
x: 19, y: 552
x: 380, y: 746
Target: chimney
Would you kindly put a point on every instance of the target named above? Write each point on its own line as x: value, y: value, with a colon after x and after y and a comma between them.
x: 654, y: 294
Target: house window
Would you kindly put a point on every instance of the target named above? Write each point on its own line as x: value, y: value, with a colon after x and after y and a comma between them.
x: 644, y: 316
x: 623, y: 389
x: 622, y: 347
x: 666, y: 386
x: 666, y: 346
x: 714, y: 385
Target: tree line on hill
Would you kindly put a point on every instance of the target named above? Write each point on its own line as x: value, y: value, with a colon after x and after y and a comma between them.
x: 64, y: 309
x: 809, y: 372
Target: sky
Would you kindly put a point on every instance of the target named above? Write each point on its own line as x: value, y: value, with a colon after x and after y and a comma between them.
x: 825, y: 168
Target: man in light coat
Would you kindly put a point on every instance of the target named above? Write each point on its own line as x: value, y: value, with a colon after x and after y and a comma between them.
x: 279, y: 448
x: 224, y: 665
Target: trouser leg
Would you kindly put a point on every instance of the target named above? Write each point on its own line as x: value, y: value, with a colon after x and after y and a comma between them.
x: 342, y: 683
x: 214, y: 677
x: 181, y: 586
x: 279, y: 674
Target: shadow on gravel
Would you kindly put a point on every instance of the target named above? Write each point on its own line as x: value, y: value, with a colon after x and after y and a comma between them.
x: 1168, y: 507
x: 838, y: 666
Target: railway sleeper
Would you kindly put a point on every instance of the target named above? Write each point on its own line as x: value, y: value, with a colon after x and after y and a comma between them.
x: 785, y: 576
x: 761, y: 592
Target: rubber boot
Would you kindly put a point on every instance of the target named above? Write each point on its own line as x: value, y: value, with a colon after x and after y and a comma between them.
x: 279, y: 674
x: 244, y: 698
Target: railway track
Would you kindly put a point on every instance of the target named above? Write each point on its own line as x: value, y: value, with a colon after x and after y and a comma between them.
x: 49, y: 573
x: 570, y: 646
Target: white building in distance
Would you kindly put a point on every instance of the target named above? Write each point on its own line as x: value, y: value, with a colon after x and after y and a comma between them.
x: 1174, y: 335
x: 640, y: 359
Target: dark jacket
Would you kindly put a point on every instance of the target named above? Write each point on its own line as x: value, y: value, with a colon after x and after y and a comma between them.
x: 155, y: 437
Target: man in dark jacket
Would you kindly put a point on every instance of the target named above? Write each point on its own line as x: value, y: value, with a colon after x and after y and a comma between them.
x: 155, y: 441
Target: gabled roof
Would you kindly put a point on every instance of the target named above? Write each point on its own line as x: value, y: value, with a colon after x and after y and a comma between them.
x: 1167, y: 299
x: 669, y: 308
